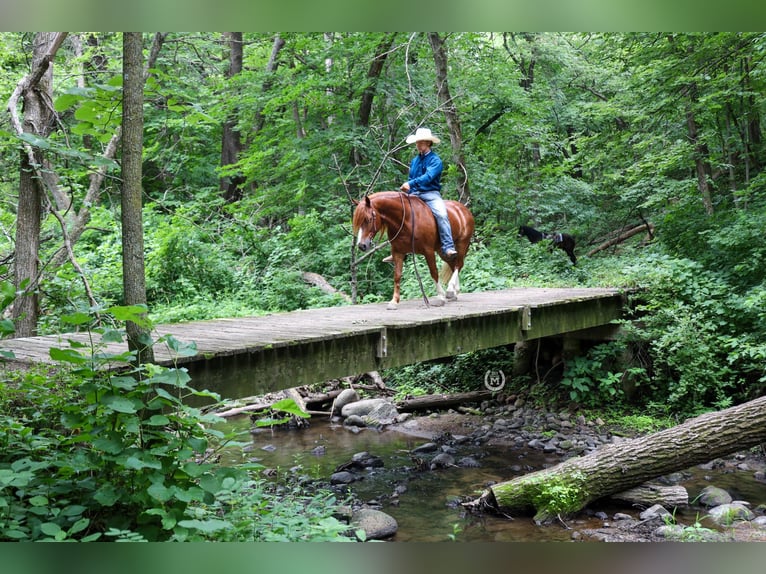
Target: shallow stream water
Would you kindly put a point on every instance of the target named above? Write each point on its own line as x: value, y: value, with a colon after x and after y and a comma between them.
x: 429, y: 510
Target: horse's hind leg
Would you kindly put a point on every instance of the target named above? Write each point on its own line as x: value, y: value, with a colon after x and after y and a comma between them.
x: 440, y: 296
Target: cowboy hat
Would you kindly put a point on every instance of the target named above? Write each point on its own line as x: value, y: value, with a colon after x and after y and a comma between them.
x: 422, y: 134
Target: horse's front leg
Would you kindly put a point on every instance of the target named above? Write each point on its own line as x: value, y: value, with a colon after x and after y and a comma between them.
x: 393, y: 304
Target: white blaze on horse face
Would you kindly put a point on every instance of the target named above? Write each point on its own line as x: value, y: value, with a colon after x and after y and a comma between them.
x: 359, y: 236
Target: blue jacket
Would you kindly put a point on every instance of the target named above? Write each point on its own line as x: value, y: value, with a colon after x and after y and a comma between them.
x: 426, y: 172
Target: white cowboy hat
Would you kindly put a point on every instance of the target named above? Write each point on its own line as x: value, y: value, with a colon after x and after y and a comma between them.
x: 422, y: 134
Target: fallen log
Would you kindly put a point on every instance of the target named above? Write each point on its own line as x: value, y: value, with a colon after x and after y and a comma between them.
x: 648, y: 227
x: 570, y: 486
x: 317, y: 280
x: 649, y: 494
x: 439, y: 402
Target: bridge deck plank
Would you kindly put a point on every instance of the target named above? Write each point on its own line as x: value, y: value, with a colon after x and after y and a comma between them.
x: 341, y: 326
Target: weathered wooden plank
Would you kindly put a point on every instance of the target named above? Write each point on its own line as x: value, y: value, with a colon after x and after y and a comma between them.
x: 281, y: 350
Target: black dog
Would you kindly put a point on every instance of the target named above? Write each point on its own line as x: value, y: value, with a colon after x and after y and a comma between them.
x: 561, y: 240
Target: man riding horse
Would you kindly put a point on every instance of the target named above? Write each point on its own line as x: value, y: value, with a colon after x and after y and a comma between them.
x: 425, y: 182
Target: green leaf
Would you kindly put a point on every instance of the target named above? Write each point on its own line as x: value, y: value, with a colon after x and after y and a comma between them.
x: 106, y: 495
x: 133, y: 313
x: 158, y: 420
x: 112, y: 336
x: 67, y: 356
x: 144, y: 461
x: 38, y: 500
x: 289, y: 406
x: 198, y: 444
x: 79, y: 526
x: 208, y: 526
x: 76, y: 319
x: 119, y: 404
x: 160, y: 492
x: 126, y: 383
x: 110, y: 445
x: 50, y: 528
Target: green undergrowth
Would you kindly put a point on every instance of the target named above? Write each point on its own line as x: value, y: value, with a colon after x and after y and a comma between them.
x: 90, y: 453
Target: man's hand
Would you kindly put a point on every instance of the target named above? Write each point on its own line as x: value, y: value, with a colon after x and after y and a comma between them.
x: 405, y: 186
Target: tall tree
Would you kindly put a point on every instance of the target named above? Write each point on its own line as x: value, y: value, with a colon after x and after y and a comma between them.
x: 133, y: 277
x: 36, y: 90
x: 450, y: 114
x: 231, y: 141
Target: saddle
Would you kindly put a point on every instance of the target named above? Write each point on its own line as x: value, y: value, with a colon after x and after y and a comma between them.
x: 555, y: 237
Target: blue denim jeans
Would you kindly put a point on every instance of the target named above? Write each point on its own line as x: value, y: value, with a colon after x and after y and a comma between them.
x: 434, y: 200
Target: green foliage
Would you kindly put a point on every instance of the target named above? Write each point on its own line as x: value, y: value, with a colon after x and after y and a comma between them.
x: 464, y: 372
x: 597, y: 377
x: 275, y: 415
x: 89, y: 453
x: 691, y: 320
x: 595, y: 141
x: 554, y: 495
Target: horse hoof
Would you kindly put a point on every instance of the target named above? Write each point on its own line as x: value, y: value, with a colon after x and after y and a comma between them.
x: 392, y: 306
x: 437, y: 302
x: 451, y: 296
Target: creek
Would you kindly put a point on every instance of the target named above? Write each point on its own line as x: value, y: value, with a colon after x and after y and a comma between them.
x: 428, y: 507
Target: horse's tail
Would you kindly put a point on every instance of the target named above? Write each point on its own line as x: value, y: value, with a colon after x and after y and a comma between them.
x: 445, y: 274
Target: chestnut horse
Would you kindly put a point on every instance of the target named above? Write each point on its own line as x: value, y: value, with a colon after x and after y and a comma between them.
x: 411, y: 228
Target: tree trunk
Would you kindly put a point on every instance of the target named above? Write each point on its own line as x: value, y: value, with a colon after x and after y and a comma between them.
x: 648, y: 227
x: 78, y: 223
x: 231, y: 142
x: 271, y: 67
x: 568, y: 487
x: 133, y: 277
x: 36, y: 89
x: 450, y: 114
x: 701, y: 154
x: 650, y: 494
x: 373, y: 73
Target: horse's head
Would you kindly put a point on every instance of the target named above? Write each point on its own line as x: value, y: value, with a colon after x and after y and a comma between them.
x: 366, y: 224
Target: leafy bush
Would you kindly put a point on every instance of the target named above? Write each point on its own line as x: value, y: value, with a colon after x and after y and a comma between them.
x: 701, y: 333
x: 88, y: 453
x: 596, y: 379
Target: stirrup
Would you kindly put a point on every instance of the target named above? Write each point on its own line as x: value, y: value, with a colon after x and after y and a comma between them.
x: 389, y: 259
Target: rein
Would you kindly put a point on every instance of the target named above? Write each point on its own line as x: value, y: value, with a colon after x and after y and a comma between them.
x: 414, y: 265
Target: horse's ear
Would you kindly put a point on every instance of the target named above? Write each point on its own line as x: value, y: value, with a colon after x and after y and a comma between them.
x: 354, y: 201
x: 367, y: 201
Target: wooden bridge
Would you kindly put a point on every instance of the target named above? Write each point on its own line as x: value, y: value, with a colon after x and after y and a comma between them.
x: 255, y: 355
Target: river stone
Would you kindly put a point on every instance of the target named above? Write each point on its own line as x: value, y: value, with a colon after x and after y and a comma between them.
x: 384, y: 413
x: 656, y: 511
x: 354, y: 421
x: 377, y: 525
x: 345, y: 397
x: 442, y: 460
x: 425, y: 447
x: 726, y: 514
x: 670, y: 531
x: 713, y: 496
x: 361, y: 408
x: 364, y: 460
x: 343, y: 477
